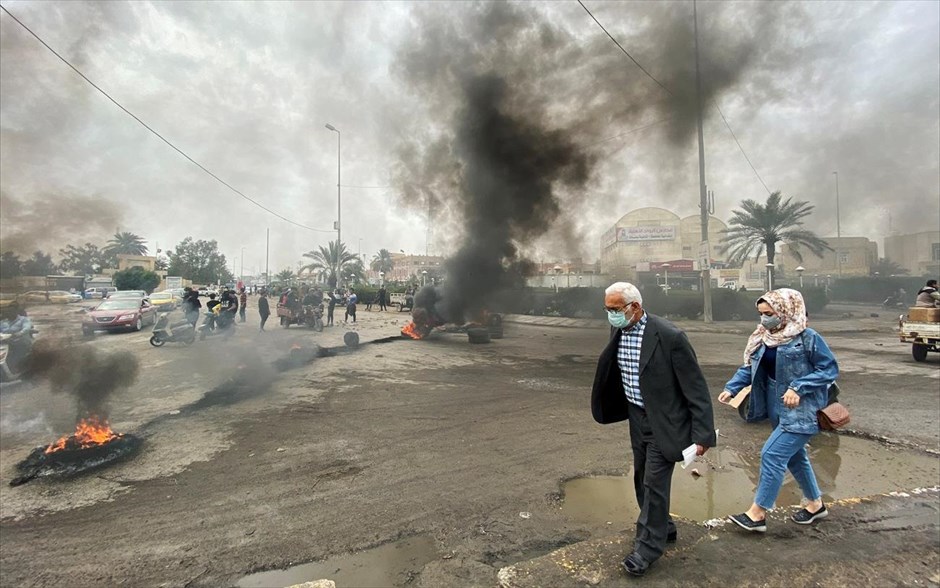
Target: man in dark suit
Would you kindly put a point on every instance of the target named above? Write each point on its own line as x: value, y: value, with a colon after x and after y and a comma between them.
x: 648, y: 374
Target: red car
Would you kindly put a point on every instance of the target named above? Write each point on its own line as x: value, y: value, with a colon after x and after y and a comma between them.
x: 119, y: 313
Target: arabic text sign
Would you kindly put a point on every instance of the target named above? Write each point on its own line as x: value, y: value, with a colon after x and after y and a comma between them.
x: 646, y: 234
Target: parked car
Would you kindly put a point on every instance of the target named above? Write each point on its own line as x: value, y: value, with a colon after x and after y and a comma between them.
x: 119, y: 313
x: 63, y: 297
x: 138, y: 294
x: 49, y: 296
x: 165, y: 301
x: 99, y: 292
x: 7, y: 299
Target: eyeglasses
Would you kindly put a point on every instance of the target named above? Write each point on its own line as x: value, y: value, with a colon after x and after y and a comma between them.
x: 618, y: 309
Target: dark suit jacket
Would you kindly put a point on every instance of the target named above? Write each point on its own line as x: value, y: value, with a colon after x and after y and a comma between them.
x: 678, y: 405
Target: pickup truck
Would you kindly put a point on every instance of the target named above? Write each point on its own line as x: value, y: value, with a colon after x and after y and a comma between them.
x: 402, y: 301
x: 921, y: 328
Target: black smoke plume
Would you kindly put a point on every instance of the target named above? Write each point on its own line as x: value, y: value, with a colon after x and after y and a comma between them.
x: 515, y: 104
x: 88, y: 375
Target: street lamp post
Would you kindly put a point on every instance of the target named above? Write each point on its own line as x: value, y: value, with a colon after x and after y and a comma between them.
x: 339, y: 195
x: 381, y: 279
x: 666, y: 267
x: 424, y: 277
x: 816, y: 280
x: 555, y: 276
x: 838, y: 225
x: 770, y: 276
x: 800, y: 269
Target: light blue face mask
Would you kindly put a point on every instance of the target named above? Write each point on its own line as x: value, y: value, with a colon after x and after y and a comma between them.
x: 617, y: 320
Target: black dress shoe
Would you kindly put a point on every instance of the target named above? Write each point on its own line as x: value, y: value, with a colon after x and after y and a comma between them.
x: 635, y: 565
x: 672, y: 536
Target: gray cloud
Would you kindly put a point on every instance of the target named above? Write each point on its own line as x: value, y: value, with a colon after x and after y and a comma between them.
x: 246, y: 88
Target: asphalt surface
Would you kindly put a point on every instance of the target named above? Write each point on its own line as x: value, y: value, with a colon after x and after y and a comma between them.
x: 434, y: 438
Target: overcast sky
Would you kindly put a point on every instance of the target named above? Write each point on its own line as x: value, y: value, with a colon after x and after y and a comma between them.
x: 246, y: 88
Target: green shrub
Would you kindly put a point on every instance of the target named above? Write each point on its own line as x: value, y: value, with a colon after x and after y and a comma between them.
x: 136, y: 278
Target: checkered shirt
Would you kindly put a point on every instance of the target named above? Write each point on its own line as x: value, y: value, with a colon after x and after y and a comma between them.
x: 628, y: 359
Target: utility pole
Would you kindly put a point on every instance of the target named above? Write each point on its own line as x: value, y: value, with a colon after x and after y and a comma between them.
x: 703, y: 193
x: 838, y: 225
x: 267, y: 259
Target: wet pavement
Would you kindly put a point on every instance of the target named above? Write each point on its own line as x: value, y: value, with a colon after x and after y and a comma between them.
x: 845, y: 467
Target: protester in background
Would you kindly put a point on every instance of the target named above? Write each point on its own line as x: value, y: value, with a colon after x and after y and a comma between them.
x: 789, y: 368
x: 331, y: 307
x: 191, y: 305
x: 928, y: 296
x: 383, y: 295
x: 351, y: 301
x: 243, y: 304
x: 263, y: 308
x: 648, y: 374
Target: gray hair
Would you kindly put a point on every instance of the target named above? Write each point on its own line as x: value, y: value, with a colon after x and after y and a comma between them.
x: 627, y: 290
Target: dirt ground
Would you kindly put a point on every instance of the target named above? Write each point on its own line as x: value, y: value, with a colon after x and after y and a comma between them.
x: 469, y: 445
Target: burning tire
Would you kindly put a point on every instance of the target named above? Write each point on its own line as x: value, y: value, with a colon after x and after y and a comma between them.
x: 478, y: 335
x: 351, y: 339
x: 156, y: 341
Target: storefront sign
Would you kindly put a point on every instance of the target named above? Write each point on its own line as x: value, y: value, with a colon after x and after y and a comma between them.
x: 646, y: 234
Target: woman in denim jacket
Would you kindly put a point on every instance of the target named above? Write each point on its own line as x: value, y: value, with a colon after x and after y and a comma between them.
x: 789, y: 368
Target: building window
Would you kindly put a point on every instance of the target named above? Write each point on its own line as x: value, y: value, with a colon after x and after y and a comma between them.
x: 935, y: 252
x: 686, y: 251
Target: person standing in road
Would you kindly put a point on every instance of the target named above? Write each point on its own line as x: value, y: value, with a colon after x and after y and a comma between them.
x: 263, y: 308
x: 243, y: 304
x: 383, y: 295
x: 648, y: 375
x: 191, y: 305
x: 351, y: 301
x: 331, y: 307
x: 789, y: 368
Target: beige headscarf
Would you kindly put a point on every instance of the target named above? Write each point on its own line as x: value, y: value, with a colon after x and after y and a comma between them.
x: 789, y: 306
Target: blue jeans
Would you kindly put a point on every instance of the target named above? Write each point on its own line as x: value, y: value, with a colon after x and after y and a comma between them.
x: 783, y: 451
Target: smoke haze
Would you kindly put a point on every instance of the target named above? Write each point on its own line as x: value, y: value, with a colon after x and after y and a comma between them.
x: 809, y: 88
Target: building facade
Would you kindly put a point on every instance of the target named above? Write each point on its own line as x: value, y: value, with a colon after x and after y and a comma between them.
x: 850, y: 257
x: 918, y: 253
x: 645, y: 238
x: 412, y: 267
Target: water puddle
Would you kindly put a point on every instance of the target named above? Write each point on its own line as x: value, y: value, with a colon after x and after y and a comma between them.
x: 392, y: 564
x: 845, y: 467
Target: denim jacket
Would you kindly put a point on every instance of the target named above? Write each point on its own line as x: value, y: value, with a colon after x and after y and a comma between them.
x: 806, y: 365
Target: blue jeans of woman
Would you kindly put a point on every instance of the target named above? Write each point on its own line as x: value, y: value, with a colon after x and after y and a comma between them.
x: 783, y: 451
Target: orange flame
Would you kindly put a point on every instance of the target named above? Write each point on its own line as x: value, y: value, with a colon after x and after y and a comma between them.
x: 88, y: 433
x: 411, y: 330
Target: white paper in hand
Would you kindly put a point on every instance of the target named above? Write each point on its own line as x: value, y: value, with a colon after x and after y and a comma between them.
x: 688, y: 455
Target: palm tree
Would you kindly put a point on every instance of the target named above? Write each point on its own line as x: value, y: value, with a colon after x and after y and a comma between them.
x: 757, y: 228
x: 285, y: 275
x: 330, y: 262
x: 382, y: 262
x: 886, y: 267
x: 126, y: 243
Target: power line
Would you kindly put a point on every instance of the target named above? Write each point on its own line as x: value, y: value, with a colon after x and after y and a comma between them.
x: 643, y: 69
x: 161, y: 137
x: 636, y: 130
x: 746, y: 158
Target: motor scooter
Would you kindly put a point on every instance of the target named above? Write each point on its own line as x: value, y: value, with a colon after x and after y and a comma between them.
x: 217, y: 322
x: 179, y: 332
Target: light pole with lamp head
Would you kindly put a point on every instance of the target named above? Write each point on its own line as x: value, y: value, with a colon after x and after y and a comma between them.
x: 555, y: 275
x: 424, y: 278
x: 770, y: 276
x: 800, y: 269
x: 339, y: 195
x: 838, y: 225
x: 666, y: 267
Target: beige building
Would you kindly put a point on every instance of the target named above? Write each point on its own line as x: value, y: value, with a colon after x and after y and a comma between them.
x: 648, y: 236
x: 147, y: 262
x: 918, y: 253
x: 407, y: 266
x: 855, y: 255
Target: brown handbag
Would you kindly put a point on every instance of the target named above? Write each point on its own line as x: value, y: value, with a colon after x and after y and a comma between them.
x: 835, y: 416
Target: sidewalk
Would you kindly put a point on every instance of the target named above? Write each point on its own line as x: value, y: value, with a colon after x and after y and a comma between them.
x: 827, y: 325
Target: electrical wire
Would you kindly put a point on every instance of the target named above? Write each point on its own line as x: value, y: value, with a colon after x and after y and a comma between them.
x: 637, y: 63
x: 631, y: 131
x: 161, y: 137
x: 643, y: 69
x: 746, y: 158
